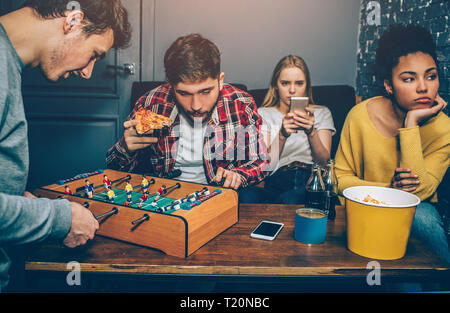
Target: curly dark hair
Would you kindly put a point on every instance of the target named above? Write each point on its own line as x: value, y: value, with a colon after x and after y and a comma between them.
x: 191, y: 58
x: 100, y: 16
x: 401, y: 40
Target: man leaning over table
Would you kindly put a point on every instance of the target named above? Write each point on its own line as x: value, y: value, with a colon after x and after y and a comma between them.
x: 62, y: 42
x: 215, y: 135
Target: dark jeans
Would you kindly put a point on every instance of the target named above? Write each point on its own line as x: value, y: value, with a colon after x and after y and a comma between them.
x: 428, y: 227
x: 283, y: 187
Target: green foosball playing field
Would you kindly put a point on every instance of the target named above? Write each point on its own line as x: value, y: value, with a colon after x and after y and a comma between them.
x: 121, y: 199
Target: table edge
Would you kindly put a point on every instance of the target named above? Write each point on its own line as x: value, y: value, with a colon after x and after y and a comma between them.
x: 231, y: 270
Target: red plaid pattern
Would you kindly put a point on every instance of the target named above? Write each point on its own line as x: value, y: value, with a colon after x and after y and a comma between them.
x: 232, y: 141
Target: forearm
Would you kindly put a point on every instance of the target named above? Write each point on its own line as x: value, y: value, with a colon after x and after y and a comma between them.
x: 320, y: 145
x: 119, y: 158
x: 24, y: 220
x: 256, y: 163
x: 347, y: 165
x: 346, y: 180
x: 411, y: 156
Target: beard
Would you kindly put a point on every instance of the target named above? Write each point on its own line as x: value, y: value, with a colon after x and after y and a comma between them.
x: 196, y: 116
x: 194, y: 119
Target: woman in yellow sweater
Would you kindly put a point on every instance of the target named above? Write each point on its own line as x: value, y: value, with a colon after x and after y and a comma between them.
x: 401, y: 140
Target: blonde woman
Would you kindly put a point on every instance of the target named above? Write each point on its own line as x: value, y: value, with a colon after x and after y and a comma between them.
x: 295, y: 139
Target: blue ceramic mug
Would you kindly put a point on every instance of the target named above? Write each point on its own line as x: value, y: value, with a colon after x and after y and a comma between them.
x: 310, y: 225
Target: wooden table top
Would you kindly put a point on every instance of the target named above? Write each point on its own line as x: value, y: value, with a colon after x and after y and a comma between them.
x: 234, y: 252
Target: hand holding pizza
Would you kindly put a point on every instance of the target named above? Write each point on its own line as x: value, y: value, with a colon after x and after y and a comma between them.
x: 137, y: 131
x: 133, y: 140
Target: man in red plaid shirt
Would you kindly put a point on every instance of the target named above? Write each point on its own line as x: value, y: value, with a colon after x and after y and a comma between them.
x: 215, y: 136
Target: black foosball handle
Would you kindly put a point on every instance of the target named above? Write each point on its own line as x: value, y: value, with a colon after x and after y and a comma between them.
x: 169, y: 189
x: 113, y: 211
x: 144, y: 218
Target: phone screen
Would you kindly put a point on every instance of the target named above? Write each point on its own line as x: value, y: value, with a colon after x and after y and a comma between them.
x: 267, y: 229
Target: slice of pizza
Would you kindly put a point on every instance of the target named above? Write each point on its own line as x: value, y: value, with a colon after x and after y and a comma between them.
x: 149, y: 120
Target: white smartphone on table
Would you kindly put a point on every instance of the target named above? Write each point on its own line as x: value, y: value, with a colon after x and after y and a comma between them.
x: 299, y: 103
x: 267, y: 230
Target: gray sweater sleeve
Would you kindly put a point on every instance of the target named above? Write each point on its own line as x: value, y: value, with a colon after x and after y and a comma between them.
x: 24, y: 220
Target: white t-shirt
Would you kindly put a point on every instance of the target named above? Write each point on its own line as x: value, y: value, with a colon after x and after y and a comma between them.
x: 190, y: 151
x: 297, y: 146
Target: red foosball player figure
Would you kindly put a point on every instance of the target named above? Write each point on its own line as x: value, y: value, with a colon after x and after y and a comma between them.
x: 106, y: 182
x: 144, y: 197
x: 67, y: 190
x: 158, y: 194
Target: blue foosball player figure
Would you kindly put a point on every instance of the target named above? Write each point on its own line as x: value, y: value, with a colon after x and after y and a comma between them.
x: 89, y: 188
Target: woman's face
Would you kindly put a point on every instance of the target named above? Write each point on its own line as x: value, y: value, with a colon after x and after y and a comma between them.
x: 415, y: 82
x: 291, y: 83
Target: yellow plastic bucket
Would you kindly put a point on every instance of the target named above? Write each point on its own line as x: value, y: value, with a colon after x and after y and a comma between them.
x: 379, y: 231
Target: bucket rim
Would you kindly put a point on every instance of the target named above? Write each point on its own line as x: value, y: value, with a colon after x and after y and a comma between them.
x: 349, y: 189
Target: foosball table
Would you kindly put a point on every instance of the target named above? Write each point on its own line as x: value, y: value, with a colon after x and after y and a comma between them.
x: 173, y: 216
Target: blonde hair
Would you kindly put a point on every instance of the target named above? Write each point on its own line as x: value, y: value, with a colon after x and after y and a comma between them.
x: 272, y: 97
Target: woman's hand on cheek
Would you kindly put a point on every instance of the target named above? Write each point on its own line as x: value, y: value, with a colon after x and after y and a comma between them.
x: 416, y: 117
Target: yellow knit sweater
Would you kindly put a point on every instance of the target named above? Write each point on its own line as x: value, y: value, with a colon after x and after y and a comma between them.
x: 367, y: 158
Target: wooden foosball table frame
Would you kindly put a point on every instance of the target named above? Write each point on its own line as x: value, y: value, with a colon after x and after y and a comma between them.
x: 179, y: 233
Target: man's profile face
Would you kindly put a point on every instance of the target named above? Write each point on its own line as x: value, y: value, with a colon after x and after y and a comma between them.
x: 198, y: 99
x: 76, y: 54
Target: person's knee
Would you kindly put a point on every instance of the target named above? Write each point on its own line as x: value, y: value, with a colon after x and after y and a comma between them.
x: 426, y: 216
x: 252, y: 195
x: 292, y: 197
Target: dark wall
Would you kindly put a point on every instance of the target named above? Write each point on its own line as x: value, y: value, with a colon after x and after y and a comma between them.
x: 253, y: 35
x: 431, y: 14
x: 8, y: 6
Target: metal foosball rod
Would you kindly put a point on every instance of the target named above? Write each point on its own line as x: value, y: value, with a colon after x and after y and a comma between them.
x: 79, y: 176
x: 116, y: 181
x: 149, y: 196
x: 163, y: 191
x: 151, y: 181
x: 144, y: 218
x: 169, y: 189
x: 204, y: 191
x: 106, y: 214
x: 203, y: 199
x: 81, y: 190
x: 175, y: 205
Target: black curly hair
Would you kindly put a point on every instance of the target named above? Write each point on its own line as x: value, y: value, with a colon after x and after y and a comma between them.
x: 400, y: 40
